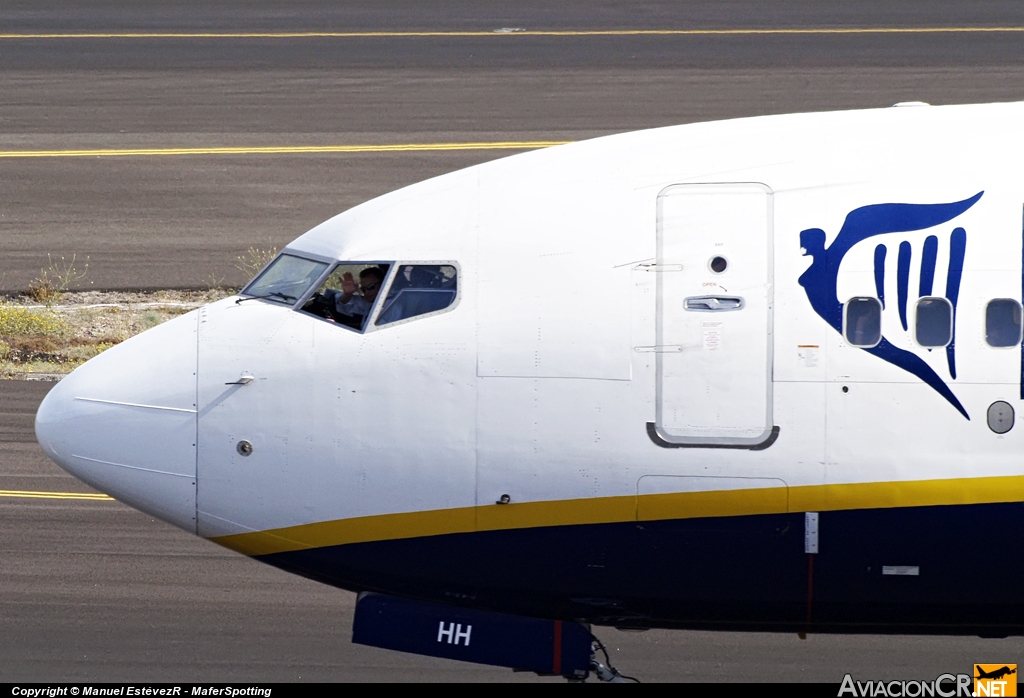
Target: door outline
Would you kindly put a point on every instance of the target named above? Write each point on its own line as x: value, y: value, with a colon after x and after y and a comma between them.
x: 654, y: 429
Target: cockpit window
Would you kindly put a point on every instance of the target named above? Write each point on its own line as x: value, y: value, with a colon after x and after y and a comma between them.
x: 348, y: 294
x: 353, y: 291
x: 418, y: 289
x: 286, y: 279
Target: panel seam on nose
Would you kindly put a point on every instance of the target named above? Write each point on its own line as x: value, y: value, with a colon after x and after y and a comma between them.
x: 135, y: 404
x: 130, y: 467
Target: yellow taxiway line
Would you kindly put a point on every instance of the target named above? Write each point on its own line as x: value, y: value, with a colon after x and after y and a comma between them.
x: 26, y: 494
x: 282, y: 149
x: 512, y: 31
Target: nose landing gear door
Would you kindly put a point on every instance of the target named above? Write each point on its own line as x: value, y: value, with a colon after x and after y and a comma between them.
x: 714, y: 315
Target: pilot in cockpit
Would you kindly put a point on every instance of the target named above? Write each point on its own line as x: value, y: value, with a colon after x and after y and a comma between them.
x: 348, y: 302
x: 417, y: 289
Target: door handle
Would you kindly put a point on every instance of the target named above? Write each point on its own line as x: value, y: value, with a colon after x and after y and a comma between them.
x: 244, y: 380
x: 710, y: 304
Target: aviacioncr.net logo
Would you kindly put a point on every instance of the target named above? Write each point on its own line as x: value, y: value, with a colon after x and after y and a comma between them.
x: 945, y: 686
x: 995, y: 680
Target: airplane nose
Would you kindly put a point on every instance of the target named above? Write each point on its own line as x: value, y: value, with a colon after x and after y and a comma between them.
x: 125, y: 422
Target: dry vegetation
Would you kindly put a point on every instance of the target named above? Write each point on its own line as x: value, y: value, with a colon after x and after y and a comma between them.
x: 49, y: 330
x: 40, y: 340
x: 254, y: 259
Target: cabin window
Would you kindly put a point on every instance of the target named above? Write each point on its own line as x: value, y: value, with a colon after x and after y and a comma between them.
x: 862, y: 322
x: 1003, y: 323
x: 349, y: 293
x: 286, y: 279
x: 419, y: 289
x: 934, y: 322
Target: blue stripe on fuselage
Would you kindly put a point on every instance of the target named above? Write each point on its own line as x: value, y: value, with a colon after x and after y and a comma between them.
x: 744, y: 572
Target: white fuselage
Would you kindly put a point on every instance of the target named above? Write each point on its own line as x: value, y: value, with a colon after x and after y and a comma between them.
x: 569, y: 377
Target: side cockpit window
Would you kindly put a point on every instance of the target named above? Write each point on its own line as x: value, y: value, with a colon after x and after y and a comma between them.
x: 286, y: 279
x: 353, y: 293
x: 419, y: 289
x: 1003, y: 323
x: 862, y: 322
x: 347, y: 296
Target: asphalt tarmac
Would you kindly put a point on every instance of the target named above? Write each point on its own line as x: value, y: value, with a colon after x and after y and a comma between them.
x: 92, y: 590
x: 182, y: 220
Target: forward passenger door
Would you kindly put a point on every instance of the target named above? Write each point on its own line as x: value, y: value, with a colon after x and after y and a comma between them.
x: 714, y: 315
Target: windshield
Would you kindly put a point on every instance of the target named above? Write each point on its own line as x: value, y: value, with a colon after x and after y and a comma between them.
x: 286, y: 279
x: 348, y: 294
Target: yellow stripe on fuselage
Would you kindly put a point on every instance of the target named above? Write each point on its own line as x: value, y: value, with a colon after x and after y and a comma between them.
x: 648, y: 507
